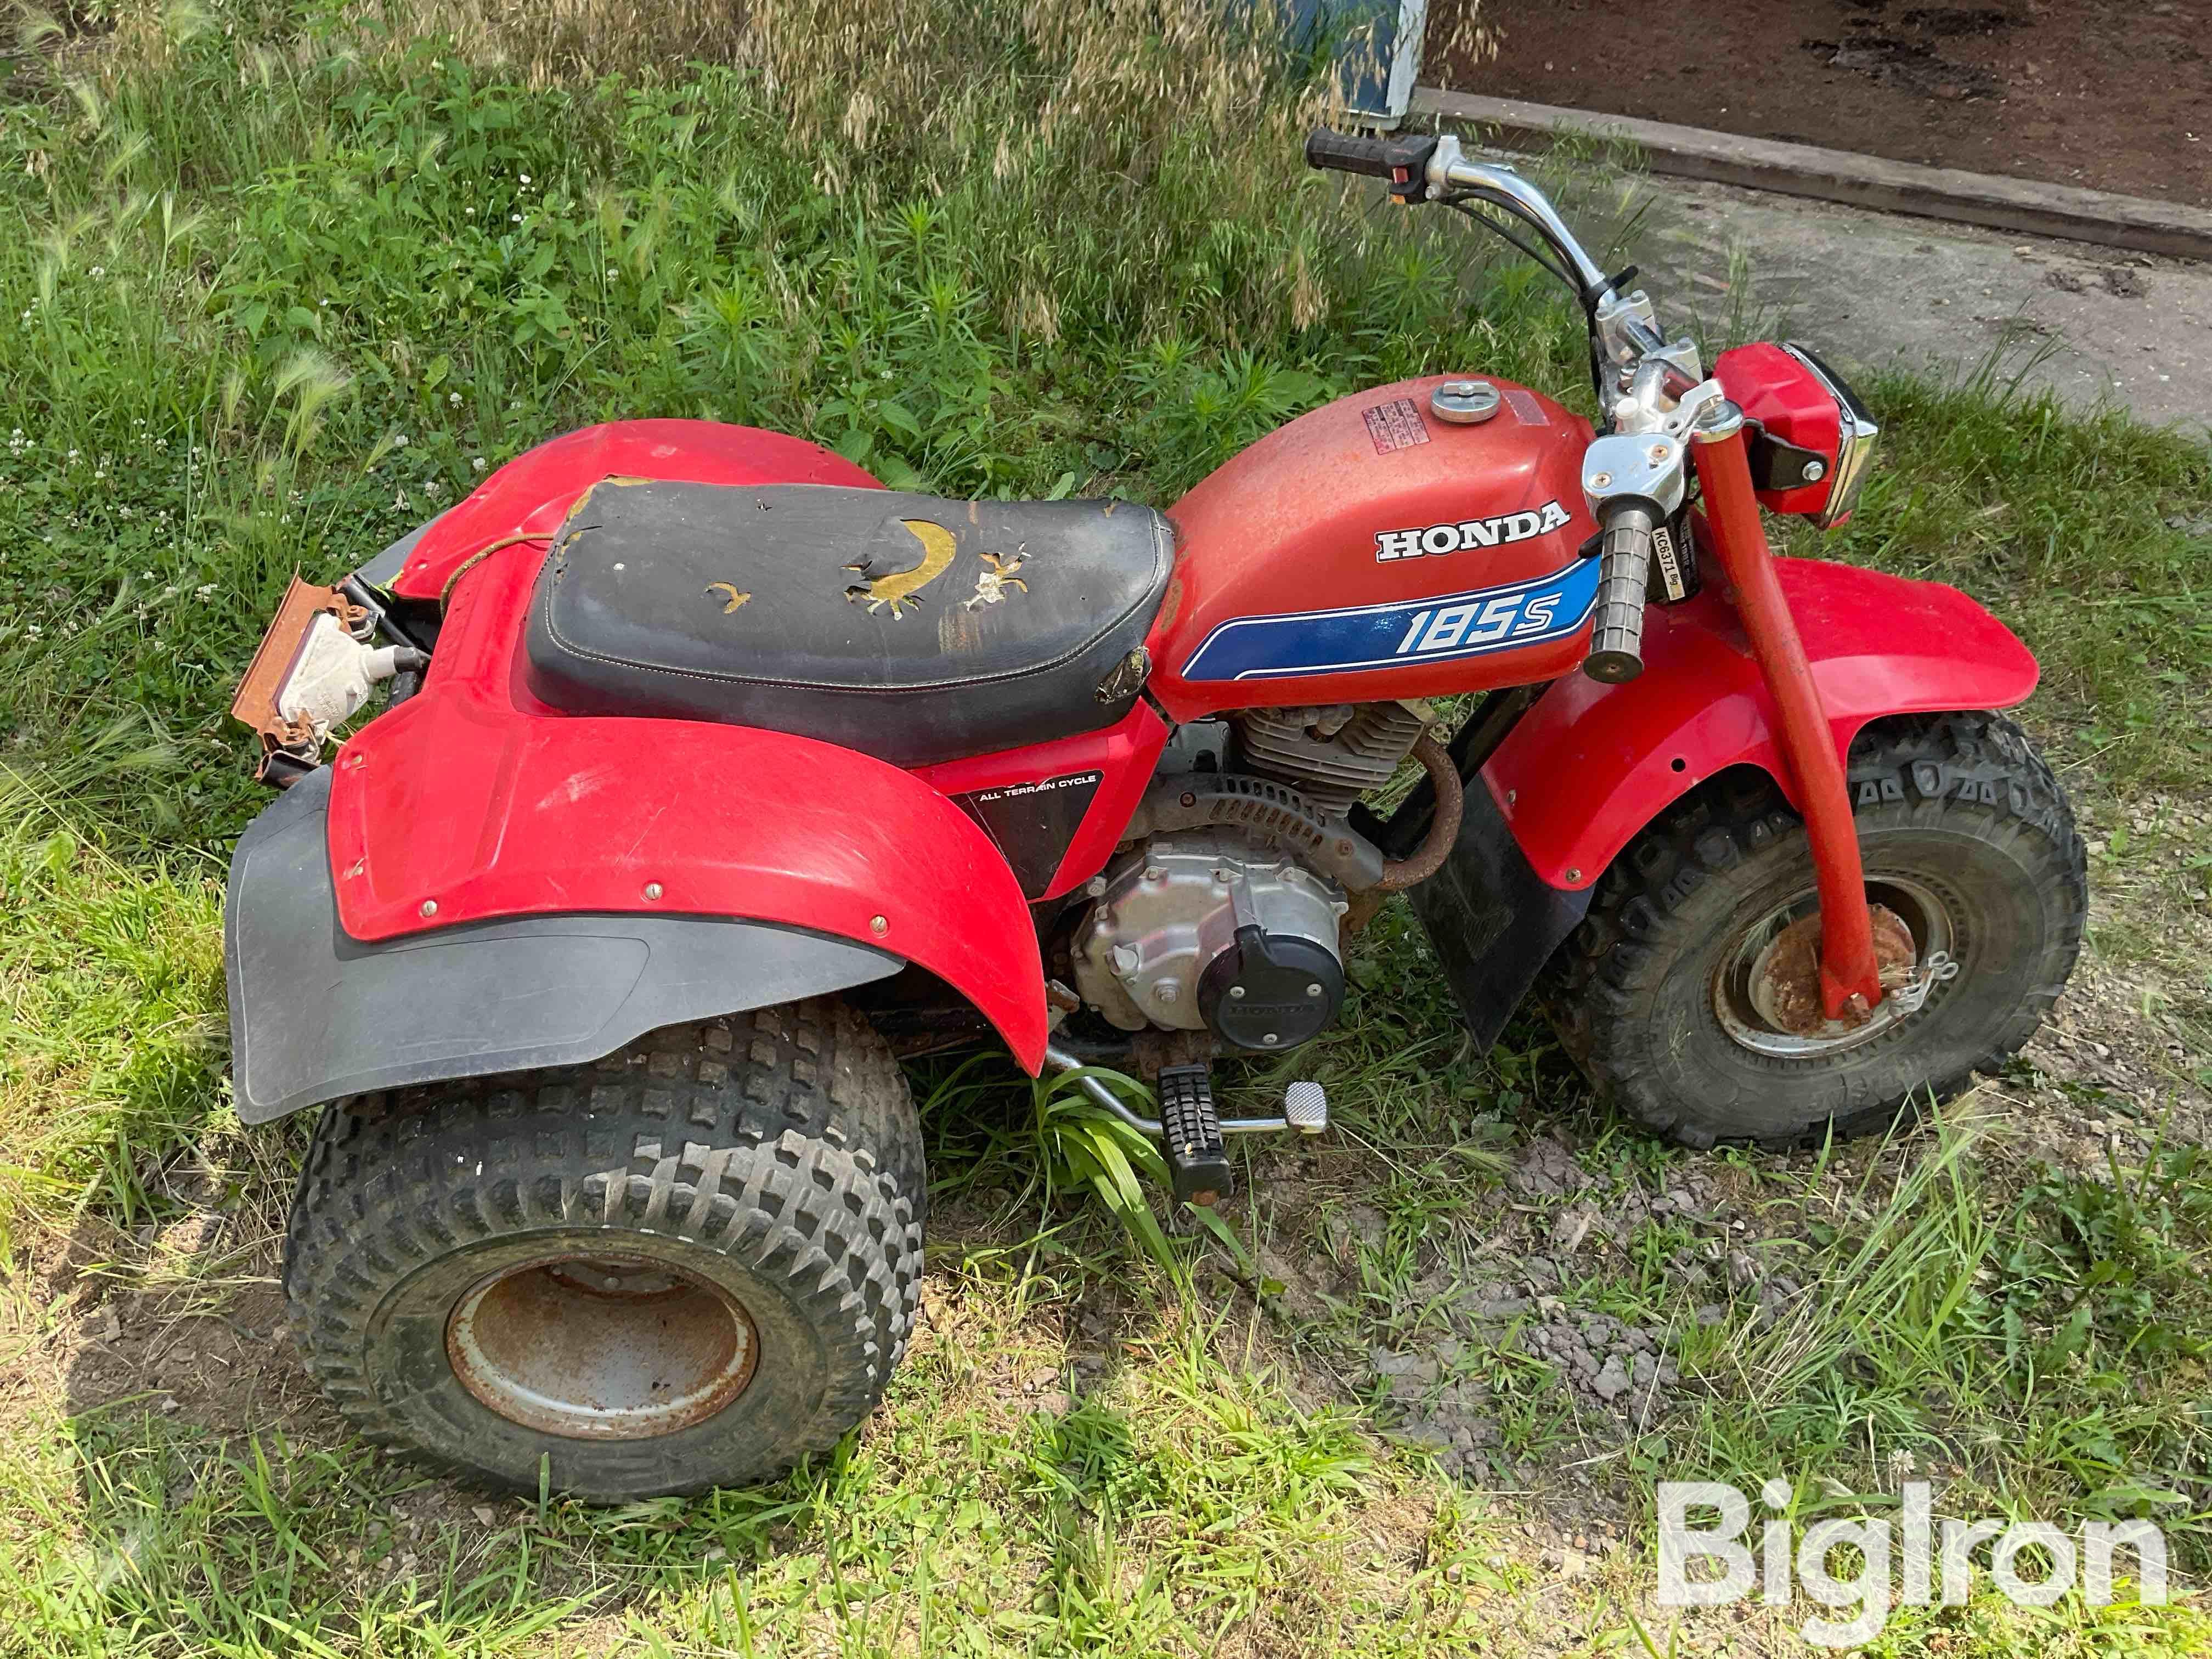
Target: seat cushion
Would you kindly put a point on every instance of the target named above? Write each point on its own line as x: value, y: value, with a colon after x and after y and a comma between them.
x: 906, y: 627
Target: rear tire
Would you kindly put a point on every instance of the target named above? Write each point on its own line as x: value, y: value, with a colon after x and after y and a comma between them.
x: 690, y: 1264
x: 1962, y: 828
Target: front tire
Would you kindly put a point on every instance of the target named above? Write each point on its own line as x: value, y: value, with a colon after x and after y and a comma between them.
x: 689, y: 1265
x: 1964, y: 833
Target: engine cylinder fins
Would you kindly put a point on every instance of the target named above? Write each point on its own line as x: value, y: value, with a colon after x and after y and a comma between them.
x: 1334, y: 754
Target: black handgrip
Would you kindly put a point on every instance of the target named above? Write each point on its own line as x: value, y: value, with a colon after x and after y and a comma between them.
x: 1624, y: 575
x: 1404, y: 161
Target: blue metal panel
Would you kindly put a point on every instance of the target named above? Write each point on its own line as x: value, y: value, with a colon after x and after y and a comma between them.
x: 1377, y: 46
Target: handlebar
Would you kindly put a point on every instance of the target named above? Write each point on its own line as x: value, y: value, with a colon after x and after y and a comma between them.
x: 1616, y: 653
x: 1652, y: 393
x: 1403, y: 161
x: 1420, y: 168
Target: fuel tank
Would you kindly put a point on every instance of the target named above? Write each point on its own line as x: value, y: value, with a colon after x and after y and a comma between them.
x: 1370, y: 550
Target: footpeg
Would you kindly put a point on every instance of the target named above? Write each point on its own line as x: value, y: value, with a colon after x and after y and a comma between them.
x: 1192, y: 1132
x: 1197, y: 1157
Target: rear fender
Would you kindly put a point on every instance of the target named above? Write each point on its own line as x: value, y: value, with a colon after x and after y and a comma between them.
x: 470, y: 804
x: 316, y: 1014
x: 1591, y: 764
x: 529, y: 496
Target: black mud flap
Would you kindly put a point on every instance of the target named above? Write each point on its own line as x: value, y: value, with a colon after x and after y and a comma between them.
x: 315, y: 1014
x: 1492, y: 920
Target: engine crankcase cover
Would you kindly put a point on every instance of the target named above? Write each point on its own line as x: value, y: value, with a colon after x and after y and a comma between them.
x: 1212, y: 930
x: 1271, y: 990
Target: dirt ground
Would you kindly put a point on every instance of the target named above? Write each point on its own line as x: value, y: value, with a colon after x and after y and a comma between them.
x: 2113, y: 94
x: 1876, y: 290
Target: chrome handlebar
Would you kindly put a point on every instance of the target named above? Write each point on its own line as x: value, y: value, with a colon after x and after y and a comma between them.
x: 1626, y: 331
x: 1634, y: 476
x: 1654, y: 393
x: 1449, y: 170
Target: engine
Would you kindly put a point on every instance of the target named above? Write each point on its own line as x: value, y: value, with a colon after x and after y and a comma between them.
x: 1213, y: 931
x: 1331, y: 756
x: 1215, y: 922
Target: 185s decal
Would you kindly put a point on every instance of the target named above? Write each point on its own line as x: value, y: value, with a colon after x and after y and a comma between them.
x: 1389, y: 635
x: 1466, y: 533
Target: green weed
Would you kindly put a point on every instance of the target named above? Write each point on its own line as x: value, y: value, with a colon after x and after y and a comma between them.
x: 292, y: 277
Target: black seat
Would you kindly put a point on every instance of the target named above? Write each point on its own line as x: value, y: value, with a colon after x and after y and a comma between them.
x: 906, y: 627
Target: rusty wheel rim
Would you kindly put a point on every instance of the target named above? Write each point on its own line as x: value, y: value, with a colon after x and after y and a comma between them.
x: 1745, y: 1008
x: 601, y: 1347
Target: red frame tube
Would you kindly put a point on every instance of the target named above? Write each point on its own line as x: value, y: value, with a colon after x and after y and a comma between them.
x: 1851, y: 981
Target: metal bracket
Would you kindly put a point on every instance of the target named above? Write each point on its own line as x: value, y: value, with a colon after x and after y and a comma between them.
x: 1912, y: 995
x: 291, y: 744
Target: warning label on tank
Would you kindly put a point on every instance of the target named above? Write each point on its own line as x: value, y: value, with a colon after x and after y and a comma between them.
x: 1395, y: 425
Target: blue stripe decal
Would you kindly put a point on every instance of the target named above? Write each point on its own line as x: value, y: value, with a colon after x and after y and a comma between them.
x: 1439, y: 629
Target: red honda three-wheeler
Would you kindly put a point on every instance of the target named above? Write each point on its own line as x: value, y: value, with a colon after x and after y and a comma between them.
x: 716, y: 777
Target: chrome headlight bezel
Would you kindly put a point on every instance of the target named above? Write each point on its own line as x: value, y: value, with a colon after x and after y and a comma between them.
x: 1857, y: 436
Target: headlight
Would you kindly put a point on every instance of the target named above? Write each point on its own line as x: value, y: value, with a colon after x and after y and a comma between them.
x: 1856, y: 435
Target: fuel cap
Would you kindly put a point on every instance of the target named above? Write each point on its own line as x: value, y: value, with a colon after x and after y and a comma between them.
x: 1464, y: 402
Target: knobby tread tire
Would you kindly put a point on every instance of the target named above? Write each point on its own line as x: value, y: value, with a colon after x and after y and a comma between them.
x: 1969, y: 783
x: 776, y: 1151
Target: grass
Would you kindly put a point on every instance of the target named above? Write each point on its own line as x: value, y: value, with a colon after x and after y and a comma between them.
x: 2088, y: 534
x: 972, y: 1509
x: 291, y: 276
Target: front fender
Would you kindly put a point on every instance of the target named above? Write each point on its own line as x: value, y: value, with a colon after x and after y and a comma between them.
x: 1591, y: 764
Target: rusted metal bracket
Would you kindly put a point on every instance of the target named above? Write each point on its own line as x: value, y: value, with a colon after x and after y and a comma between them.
x: 290, y: 748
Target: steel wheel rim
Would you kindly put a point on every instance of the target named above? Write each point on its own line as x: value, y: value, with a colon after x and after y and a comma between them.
x: 1926, y: 916
x: 601, y: 1346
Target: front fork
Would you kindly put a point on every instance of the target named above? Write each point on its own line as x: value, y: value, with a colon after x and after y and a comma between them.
x: 1851, y: 980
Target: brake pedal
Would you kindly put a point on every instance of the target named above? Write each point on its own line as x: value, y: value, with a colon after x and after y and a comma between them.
x: 1197, y: 1156
x: 1305, y: 1108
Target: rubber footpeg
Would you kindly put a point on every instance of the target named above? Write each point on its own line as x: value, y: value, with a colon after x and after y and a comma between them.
x: 1197, y: 1156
